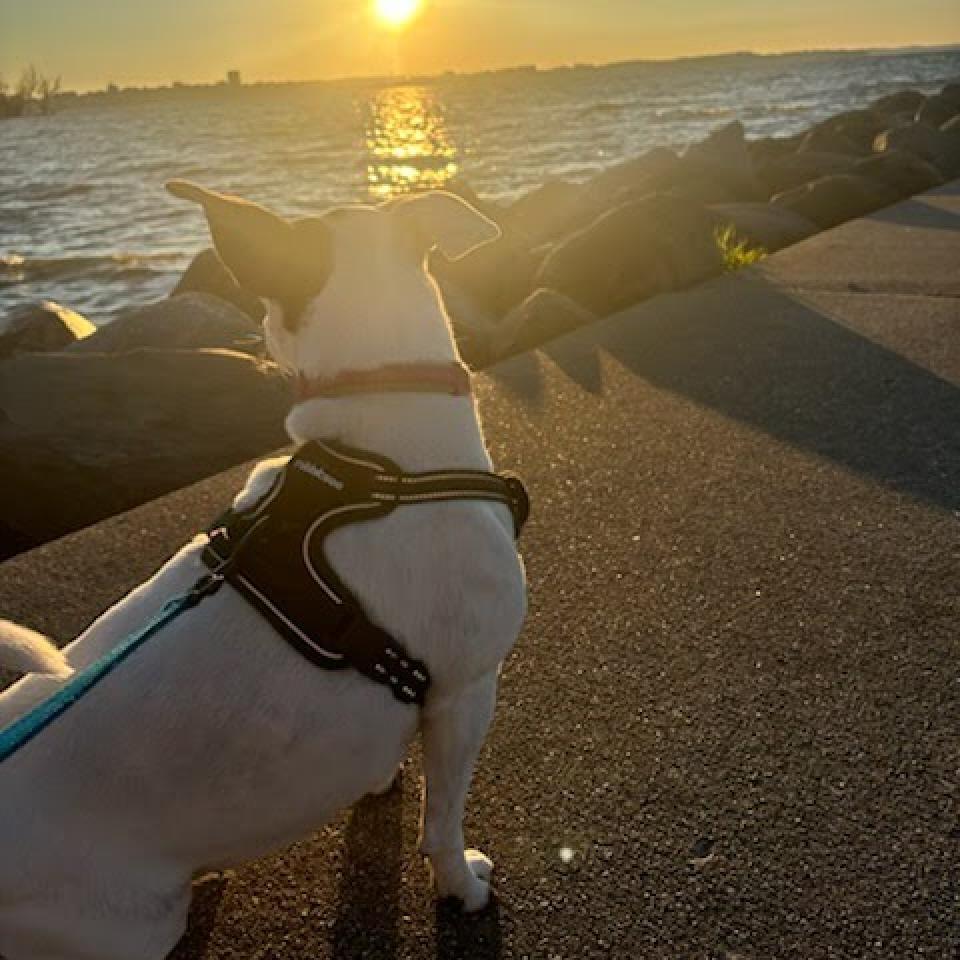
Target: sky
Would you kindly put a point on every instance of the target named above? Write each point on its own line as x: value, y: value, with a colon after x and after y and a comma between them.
x: 150, y: 42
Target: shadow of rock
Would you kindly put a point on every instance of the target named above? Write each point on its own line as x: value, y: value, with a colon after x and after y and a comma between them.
x: 522, y: 377
x: 765, y: 357
x: 920, y: 213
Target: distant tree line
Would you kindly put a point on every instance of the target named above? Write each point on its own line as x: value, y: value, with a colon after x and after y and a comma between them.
x: 33, y: 93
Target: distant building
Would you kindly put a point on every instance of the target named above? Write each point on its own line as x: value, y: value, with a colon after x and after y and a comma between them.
x: 233, y: 78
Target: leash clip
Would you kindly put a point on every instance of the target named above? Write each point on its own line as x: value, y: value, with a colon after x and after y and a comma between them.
x: 208, y: 585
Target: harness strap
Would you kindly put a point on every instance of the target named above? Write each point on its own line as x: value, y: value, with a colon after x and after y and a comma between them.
x: 274, y: 553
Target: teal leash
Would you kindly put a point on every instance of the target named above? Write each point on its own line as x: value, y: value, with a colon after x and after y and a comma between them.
x: 22, y: 731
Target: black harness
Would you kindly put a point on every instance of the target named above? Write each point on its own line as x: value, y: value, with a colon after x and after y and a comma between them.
x: 273, y: 553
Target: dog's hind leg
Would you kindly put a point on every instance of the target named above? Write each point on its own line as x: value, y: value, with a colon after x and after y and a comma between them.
x: 453, y: 732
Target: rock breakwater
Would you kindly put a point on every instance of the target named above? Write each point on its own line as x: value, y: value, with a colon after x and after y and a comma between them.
x: 93, y: 422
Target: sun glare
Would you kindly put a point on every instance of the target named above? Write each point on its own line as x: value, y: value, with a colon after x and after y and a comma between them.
x: 397, y: 13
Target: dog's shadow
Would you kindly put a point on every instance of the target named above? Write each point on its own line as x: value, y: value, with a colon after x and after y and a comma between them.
x: 368, y: 903
x: 461, y: 937
x: 368, y: 913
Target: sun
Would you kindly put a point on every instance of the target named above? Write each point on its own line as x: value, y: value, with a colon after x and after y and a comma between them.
x: 397, y: 13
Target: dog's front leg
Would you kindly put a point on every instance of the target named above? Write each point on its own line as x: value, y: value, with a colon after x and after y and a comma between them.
x: 453, y: 730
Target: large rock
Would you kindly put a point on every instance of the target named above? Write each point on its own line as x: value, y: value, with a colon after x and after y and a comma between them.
x: 207, y: 274
x: 550, y: 211
x: 496, y: 276
x: 785, y: 173
x: 767, y: 149
x: 85, y: 436
x: 902, y: 102
x: 47, y: 326
x: 543, y: 316
x: 635, y: 251
x: 187, y: 321
x: 724, y: 159
x: 847, y: 133
x: 763, y: 224
x: 698, y: 186
x: 631, y: 177
x: 717, y: 170
x: 939, y: 109
x: 834, y: 200
x: 930, y: 144
x: 902, y: 171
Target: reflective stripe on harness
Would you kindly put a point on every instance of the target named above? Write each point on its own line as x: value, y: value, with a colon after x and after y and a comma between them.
x: 273, y: 553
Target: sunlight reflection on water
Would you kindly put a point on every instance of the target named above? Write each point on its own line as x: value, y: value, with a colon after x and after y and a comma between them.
x: 409, y: 147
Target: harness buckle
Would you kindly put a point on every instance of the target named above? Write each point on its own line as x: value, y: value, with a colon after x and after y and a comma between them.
x: 377, y: 655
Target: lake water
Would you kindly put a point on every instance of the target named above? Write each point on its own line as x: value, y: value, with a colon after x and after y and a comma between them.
x: 84, y: 219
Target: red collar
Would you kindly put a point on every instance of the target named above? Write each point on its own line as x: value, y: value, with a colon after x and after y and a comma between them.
x: 451, y: 379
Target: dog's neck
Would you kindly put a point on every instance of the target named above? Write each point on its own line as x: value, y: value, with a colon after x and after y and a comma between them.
x: 392, y: 317
x: 419, y: 431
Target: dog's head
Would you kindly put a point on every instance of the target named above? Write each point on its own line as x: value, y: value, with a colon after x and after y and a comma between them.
x: 348, y: 289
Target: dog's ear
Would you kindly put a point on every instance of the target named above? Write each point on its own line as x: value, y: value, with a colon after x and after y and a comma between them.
x: 444, y: 220
x: 267, y: 255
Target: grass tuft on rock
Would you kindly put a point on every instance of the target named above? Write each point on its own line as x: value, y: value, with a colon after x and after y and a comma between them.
x: 736, y: 253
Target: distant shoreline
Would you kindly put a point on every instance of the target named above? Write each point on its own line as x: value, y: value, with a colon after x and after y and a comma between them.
x: 177, y: 88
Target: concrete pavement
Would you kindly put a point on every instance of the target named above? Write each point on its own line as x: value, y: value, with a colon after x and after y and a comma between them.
x: 731, y: 727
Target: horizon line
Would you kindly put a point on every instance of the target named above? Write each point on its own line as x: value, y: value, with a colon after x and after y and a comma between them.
x: 947, y: 47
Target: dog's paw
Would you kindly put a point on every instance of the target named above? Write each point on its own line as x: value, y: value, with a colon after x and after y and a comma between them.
x: 474, y: 898
x: 481, y: 866
x: 470, y: 883
x: 477, y: 899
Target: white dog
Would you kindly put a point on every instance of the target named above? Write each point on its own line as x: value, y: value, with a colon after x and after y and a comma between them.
x: 216, y: 742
